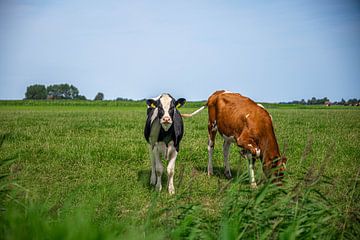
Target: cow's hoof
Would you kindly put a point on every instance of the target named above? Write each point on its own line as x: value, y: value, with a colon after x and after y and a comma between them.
x: 228, y: 175
x: 253, y: 185
x: 171, y: 191
x: 158, y: 188
x: 153, y: 182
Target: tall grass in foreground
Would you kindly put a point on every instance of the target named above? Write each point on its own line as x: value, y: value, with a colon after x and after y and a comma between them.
x: 273, y: 212
x: 269, y: 212
x: 276, y: 213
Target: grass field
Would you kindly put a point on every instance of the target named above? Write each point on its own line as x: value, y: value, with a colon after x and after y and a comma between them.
x: 82, y: 169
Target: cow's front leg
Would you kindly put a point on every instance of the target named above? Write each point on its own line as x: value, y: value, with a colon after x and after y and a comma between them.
x: 251, y: 161
x: 246, y: 142
x: 158, y: 165
x: 153, y: 165
x: 172, y: 154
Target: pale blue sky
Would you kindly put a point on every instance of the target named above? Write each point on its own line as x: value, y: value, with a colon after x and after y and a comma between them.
x: 268, y: 50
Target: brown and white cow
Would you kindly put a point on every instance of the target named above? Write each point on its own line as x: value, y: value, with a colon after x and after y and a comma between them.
x: 240, y: 120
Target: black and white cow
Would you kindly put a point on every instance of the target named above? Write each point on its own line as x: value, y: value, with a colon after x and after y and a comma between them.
x: 164, y: 129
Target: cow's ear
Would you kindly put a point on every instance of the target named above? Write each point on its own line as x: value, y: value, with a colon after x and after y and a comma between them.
x: 180, y: 102
x: 151, y: 103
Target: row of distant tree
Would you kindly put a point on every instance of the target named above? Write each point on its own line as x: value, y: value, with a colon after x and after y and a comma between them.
x: 325, y: 101
x: 66, y: 91
x: 56, y: 91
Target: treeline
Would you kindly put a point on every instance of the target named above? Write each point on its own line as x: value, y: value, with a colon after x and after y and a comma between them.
x: 66, y: 91
x: 56, y: 91
x: 62, y: 91
x: 325, y: 101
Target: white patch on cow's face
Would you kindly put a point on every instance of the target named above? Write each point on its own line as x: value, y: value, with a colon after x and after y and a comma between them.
x: 166, y: 120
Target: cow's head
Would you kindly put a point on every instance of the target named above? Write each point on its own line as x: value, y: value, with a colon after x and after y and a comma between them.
x: 166, y: 107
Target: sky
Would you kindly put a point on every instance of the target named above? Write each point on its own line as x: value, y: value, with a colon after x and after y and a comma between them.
x: 270, y: 51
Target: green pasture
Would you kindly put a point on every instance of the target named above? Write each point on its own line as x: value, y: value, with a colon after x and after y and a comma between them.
x: 81, y: 169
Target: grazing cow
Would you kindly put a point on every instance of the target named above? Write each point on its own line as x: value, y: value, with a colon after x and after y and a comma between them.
x: 164, y: 129
x: 240, y: 120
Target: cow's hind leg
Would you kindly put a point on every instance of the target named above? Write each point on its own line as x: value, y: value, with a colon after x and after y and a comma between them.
x: 226, y: 151
x: 172, y: 154
x: 212, y: 129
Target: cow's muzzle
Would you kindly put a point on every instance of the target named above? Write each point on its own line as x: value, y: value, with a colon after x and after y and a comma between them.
x: 166, y: 123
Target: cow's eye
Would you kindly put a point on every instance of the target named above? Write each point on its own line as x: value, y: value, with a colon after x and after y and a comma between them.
x: 161, y: 112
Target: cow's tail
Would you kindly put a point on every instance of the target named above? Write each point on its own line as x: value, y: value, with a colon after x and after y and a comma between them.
x: 186, y: 115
